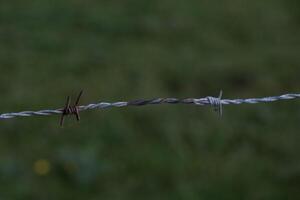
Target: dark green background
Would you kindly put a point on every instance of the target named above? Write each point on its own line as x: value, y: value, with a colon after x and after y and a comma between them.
x: 122, y: 50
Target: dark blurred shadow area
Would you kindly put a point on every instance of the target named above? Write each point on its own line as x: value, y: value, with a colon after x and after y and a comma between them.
x: 123, y: 50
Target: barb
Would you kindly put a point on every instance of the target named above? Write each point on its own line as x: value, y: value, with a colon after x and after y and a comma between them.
x: 217, y: 103
x: 71, y: 110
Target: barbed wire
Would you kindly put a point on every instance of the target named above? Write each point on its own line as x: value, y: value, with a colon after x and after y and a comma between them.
x: 215, y: 102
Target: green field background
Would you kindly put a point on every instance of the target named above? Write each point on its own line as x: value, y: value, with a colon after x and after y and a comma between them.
x: 129, y: 49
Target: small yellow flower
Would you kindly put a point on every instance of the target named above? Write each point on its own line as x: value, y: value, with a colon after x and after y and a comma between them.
x: 42, y: 167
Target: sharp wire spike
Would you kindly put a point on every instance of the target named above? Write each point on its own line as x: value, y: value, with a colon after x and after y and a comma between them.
x: 68, y: 102
x: 62, y: 119
x: 71, y: 110
x: 78, y: 98
x: 216, y: 103
x: 220, y: 109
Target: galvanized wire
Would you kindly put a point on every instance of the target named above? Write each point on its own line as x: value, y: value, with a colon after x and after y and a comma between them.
x: 216, y: 102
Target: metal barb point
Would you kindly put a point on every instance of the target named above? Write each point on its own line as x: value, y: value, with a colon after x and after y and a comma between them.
x: 220, y: 107
x: 217, y: 103
x: 71, y: 110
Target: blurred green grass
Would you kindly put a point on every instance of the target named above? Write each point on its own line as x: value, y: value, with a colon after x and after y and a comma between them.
x: 121, y: 50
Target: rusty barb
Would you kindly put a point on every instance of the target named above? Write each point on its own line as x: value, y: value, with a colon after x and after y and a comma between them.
x: 71, y: 110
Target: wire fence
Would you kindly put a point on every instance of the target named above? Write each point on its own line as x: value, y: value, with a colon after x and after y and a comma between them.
x: 216, y: 102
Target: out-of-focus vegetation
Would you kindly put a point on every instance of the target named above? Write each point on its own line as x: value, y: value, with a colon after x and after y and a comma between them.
x: 122, y: 50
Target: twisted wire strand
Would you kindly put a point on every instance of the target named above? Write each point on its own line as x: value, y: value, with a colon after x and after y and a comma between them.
x: 216, y: 102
